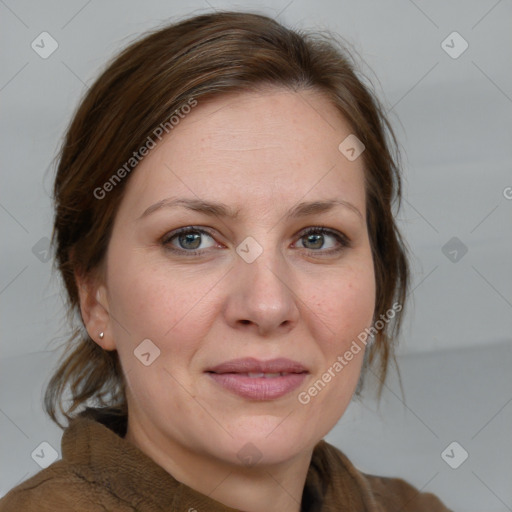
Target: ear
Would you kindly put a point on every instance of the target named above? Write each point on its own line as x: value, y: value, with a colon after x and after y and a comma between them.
x: 95, y: 309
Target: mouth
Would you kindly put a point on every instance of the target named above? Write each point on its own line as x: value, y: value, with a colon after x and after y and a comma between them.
x: 253, y: 379
x: 258, y: 375
x: 250, y: 365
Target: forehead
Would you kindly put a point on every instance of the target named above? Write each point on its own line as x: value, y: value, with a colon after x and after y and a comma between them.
x: 252, y: 148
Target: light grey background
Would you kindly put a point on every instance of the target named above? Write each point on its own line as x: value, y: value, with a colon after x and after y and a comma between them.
x: 453, y: 117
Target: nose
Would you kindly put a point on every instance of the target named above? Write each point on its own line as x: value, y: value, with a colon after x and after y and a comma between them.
x: 262, y: 298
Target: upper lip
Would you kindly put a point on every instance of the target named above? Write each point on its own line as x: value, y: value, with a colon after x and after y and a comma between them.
x: 252, y: 365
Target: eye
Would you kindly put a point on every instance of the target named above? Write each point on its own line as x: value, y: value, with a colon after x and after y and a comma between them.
x: 315, y: 238
x: 189, y: 240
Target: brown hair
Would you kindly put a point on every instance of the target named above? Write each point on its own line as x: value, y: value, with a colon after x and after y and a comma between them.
x: 199, y: 58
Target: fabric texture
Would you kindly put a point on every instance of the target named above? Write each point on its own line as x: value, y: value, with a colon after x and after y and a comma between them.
x: 101, y: 471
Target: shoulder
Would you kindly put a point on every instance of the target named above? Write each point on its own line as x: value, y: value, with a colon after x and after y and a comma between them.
x: 384, y: 494
x: 60, y: 487
x: 397, y: 494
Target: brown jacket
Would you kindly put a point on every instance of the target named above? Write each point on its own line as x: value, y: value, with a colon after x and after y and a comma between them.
x: 100, y: 471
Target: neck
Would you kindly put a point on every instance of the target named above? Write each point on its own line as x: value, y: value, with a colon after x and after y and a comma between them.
x: 260, y: 488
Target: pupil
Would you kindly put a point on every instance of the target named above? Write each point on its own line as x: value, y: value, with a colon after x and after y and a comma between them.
x: 189, y: 237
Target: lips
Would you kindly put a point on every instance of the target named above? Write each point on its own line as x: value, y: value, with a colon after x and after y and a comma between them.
x: 250, y: 365
x: 259, y: 380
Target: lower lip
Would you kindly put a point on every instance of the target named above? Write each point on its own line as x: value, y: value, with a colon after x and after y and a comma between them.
x: 259, y: 388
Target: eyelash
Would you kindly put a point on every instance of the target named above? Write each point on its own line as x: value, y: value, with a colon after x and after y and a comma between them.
x: 342, y: 239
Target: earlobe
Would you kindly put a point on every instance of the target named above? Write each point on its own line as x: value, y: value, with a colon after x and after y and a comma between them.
x: 94, y: 310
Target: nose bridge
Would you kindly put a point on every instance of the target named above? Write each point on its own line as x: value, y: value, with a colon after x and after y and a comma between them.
x: 263, y: 293
x: 263, y: 265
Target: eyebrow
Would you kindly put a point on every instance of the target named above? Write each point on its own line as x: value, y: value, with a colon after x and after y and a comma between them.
x: 217, y: 209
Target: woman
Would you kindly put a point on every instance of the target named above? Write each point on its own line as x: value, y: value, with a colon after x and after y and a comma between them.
x: 223, y: 225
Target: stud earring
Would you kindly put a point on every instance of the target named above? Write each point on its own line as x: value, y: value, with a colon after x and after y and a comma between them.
x: 101, y: 335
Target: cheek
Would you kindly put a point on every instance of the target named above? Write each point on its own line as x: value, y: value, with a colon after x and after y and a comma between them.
x: 345, y: 305
x: 142, y: 301
x: 149, y: 302
x: 357, y: 304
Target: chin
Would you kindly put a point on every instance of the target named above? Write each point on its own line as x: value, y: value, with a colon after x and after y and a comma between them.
x: 265, y: 441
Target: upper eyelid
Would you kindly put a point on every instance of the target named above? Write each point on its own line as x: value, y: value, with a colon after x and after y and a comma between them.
x: 175, y: 232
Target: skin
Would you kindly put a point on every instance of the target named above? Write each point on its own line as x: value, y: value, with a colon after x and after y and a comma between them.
x: 262, y: 153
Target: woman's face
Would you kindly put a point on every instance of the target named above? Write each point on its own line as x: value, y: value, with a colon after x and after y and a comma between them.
x: 262, y: 285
